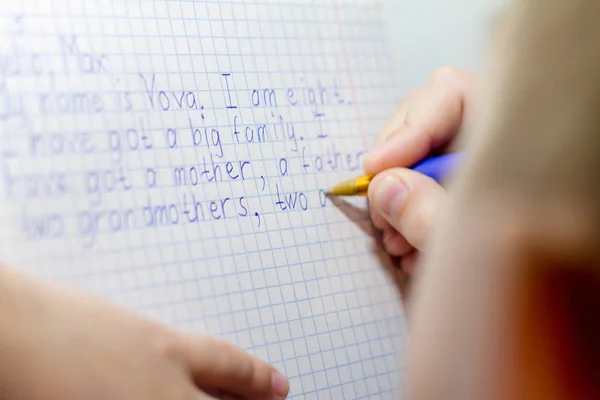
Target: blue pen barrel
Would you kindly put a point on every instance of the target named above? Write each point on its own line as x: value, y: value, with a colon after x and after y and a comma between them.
x: 439, y: 166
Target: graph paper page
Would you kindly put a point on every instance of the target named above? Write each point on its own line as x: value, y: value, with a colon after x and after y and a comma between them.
x: 172, y: 157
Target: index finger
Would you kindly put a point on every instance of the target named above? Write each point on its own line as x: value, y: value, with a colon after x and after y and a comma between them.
x: 431, y: 119
x: 216, y: 364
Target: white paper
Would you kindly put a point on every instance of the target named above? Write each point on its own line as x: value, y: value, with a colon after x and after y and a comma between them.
x: 115, y: 119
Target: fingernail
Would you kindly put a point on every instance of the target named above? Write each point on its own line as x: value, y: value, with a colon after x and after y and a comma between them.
x: 280, y: 384
x: 390, y: 194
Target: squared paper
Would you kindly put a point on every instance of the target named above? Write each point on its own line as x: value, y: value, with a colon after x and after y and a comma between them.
x: 171, y: 156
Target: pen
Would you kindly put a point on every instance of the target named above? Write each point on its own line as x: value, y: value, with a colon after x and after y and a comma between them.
x: 436, y: 167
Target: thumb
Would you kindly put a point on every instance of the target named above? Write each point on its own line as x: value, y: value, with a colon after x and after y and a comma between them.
x: 408, y: 201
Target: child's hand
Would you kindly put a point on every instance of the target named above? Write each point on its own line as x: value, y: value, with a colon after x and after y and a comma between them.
x: 59, y: 344
x: 403, y: 202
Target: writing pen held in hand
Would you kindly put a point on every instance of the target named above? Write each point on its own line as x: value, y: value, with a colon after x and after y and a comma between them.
x: 436, y: 167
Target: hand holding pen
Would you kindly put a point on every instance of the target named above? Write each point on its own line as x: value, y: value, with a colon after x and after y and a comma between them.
x: 401, y: 181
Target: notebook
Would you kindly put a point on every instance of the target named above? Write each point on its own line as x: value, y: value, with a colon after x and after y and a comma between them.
x: 173, y: 157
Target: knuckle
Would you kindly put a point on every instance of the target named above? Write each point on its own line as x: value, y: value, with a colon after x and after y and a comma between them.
x: 245, y: 371
x: 239, y: 366
x: 166, y: 344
